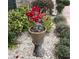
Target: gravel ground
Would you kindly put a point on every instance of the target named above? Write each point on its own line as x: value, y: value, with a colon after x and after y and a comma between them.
x: 25, y: 49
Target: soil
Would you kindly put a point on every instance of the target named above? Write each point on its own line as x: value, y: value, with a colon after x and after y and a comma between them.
x: 34, y: 30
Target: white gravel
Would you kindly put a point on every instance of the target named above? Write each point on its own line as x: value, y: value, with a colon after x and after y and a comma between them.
x: 25, y: 49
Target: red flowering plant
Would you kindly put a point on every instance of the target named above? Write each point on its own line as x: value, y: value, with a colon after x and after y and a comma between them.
x: 42, y: 3
x: 36, y: 16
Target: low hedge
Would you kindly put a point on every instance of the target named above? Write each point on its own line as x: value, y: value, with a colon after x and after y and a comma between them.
x: 63, y: 51
x: 59, y: 19
x: 61, y: 4
x: 17, y: 23
x: 63, y: 47
x: 64, y: 2
x: 65, y: 42
x: 63, y: 31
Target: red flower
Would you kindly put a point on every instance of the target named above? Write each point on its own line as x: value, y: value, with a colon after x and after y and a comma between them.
x: 35, y: 14
x: 30, y: 14
x: 35, y: 18
x: 36, y: 8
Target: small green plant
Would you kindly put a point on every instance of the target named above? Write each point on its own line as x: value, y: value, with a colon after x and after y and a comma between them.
x: 62, y: 31
x: 63, y: 47
x: 65, y: 41
x: 17, y: 23
x: 63, y: 51
x: 48, y: 23
x: 61, y: 4
x: 64, y: 2
x: 59, y: 19
x: 60, y: 7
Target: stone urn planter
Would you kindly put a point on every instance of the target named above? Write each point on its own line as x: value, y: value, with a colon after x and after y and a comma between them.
x: 37, y: 39
x: 37, y: 29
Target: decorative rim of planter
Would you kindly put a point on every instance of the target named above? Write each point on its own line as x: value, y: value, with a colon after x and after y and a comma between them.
x: 37, y: 32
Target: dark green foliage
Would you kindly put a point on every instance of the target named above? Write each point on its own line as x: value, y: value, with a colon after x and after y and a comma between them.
x: 60, y: 7
x: 59, y: 19
x: 17, y: 23
x: 61, y: 4
x: 62, y: 31
x: 42, y: 4
x: 63, y: 51
x: 63, y: 47
x: 11, y: 35
x: 65, y: 41
x: 64, y: 2
x: 48, y: 5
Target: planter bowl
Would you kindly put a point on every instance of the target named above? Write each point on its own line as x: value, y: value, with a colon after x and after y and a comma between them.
x: 37, y: 37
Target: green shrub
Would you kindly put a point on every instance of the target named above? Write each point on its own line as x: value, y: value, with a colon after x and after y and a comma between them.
x: 48, y: 23
x: 61, y: 4
x: 63, y: 47
x: 64, y: 2
x: 59, y: 19
x: 65, y: 41
x: 62, y: 51
x: 60, y: 7
x: 17, y: 23
x: 62, y: 31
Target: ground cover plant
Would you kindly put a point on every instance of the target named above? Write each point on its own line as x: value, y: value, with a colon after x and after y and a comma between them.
x: 62, y: 31
x: 63, y: 47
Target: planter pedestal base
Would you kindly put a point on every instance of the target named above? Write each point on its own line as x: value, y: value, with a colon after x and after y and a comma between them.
x: 37, y: 39
x: 38, y: 51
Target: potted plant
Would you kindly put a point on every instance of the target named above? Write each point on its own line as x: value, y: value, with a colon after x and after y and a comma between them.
x: 46, y: 5
x: 37, y: 31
